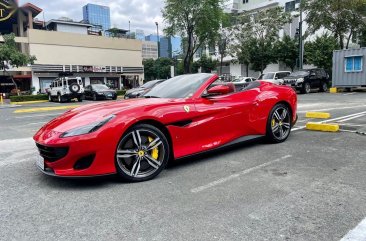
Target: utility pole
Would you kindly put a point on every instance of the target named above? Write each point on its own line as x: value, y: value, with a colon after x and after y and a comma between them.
x: 301, y: 42
x: 129, y: 29
x: 157, y: 36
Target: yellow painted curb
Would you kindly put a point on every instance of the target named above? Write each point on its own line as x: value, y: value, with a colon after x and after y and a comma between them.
x: 322, y: 127
x: 317, y: 115
x: 29, y: 102
x: 44, y: 109
x: 333, y: 90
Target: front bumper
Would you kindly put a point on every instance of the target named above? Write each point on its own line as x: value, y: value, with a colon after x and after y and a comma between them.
x: 99, y: 147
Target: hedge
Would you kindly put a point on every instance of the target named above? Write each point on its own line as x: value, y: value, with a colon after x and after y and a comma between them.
x: 22, y: 98
x: 121, y: 92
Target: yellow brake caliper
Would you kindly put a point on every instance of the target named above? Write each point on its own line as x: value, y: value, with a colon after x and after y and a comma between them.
x: 273, y: 122
x: 155, y: 151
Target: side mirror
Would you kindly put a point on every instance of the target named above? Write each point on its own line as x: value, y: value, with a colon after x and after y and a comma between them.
x: 218, y: 90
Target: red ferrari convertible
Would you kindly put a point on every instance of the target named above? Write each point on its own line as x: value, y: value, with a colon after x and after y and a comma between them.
x: 185, y: 115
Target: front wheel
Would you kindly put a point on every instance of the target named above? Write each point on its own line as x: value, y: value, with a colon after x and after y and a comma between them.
x: 142, y: 153
x: 279, y: 124
x: 49, y: 98
x: 305, y: 88
x: 324, y: 87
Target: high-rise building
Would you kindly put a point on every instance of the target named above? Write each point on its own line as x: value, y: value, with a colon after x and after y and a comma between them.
x: 165, y: 47
x: 176, y: 46
x: 152, y: 38
x: 97, y: 15
x: 139, y: 34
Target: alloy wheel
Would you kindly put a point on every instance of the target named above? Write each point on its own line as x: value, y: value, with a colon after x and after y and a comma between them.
x: 141, y: 153
x: 307, y: 88
x: 281, y: 123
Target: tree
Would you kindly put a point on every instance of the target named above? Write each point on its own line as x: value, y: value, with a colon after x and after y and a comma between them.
x: 149, y: 70
x: 196, y: 21
x: 157, y: 69
x: 320, y: 52
x: 11, y: 56
x: 287, y: 51
x: 206, y: 64
x: 342, y: 18
x: 255, y: 36
x: 224, y: 38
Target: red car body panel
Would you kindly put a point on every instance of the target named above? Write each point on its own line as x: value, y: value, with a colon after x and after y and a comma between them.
x: 208, y: 124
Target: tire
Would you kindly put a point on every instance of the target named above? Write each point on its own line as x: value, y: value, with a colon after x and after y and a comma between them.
x: 305, y: 88
x: 59, y: 98
x: 95, y: 97
x: 74, y: 88
x: 142, y: 153
x: 323, y: 87
x: 49, y: 98
x: 279, y: 124
x: 80, y: 99
x: 115, y: 98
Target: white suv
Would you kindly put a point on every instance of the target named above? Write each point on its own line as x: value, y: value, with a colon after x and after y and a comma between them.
x: 65, y: 88
x: 274, y: 77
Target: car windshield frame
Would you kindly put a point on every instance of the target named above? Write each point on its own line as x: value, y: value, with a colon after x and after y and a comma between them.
x: 182, y: 86
x: 299, y: 73
x: 267, y: 76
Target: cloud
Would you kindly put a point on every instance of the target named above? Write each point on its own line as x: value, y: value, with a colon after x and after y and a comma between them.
x: 142, y: 13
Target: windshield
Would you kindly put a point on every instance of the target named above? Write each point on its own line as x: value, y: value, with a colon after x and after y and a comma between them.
x: 299, y: 73
x: 179, y: 87
x: 149, y: 84
x: 266, y: 76
x: 100, y: 87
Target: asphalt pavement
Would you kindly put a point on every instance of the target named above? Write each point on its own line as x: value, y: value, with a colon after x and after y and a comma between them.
x: 312, y: 187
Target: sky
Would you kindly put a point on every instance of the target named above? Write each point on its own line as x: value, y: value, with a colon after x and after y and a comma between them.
x: 142, y: 13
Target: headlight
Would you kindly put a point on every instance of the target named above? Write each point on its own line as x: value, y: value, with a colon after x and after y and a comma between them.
x: 87, y: 129
x: 100, y: 93
x: 299, y: 81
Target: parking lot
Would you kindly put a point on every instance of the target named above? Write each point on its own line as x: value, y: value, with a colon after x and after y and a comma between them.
x: 312, y: 187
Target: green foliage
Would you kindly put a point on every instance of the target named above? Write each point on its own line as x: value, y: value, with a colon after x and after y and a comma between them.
x: 343, y: 18
x: 157, y: 69
x: 197, y: 22
x: 23, y: 98
x: 256, y: 35
x: 320, y: 52
x: 287, y: 51
x: 10, y: 54
x: 206, y: 64
x: 121, y: 92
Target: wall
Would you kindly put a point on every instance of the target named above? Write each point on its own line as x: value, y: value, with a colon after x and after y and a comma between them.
x: 67, y: 28
x: 75, y: 49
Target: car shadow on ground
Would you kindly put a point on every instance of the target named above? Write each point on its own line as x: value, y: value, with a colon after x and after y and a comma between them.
x: 87, y: 183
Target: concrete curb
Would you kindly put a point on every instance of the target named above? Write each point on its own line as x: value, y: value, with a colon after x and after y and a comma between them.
x: 322, y: 127
x: 317, y: 115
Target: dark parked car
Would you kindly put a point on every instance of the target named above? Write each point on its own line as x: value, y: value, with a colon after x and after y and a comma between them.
x: 99, y: 92
x: 137, y: 92
x: 307, y: 79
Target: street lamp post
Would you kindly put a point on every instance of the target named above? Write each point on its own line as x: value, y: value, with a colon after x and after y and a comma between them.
x: 157, y: 36
x: 129, y: 29
x: 301, y: 48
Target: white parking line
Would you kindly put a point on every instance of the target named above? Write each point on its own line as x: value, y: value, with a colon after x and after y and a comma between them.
x: 357, y: 234
x: 352, y: 118
x: 335, y: 108
x: 31, y: 116
x: 228, y: 178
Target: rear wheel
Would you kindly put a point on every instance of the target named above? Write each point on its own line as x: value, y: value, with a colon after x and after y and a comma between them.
x: 142, y: 153
x: 94, y: 97
x: 324, y: 87
x: 279, y: 124
x: 59, y: 98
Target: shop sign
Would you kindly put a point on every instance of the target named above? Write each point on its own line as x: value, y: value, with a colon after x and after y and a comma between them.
x: 94, y: 69
x: 7, y: 9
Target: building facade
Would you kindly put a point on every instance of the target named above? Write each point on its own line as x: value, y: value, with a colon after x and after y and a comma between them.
x: 63, y: 51
x: 150, y: 50
x: 97, y: 15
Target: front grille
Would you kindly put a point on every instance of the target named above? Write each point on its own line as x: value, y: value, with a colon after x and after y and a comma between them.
x: 52, y: 154
x: 290, y: 81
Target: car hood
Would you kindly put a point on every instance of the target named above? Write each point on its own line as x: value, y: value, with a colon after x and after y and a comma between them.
x: 93, y: 113
x: 131, y: 91
x: 105, y: 91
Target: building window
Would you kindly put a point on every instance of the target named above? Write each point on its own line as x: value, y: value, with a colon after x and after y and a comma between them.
x: 354, y: 64
x: 245, y: 1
